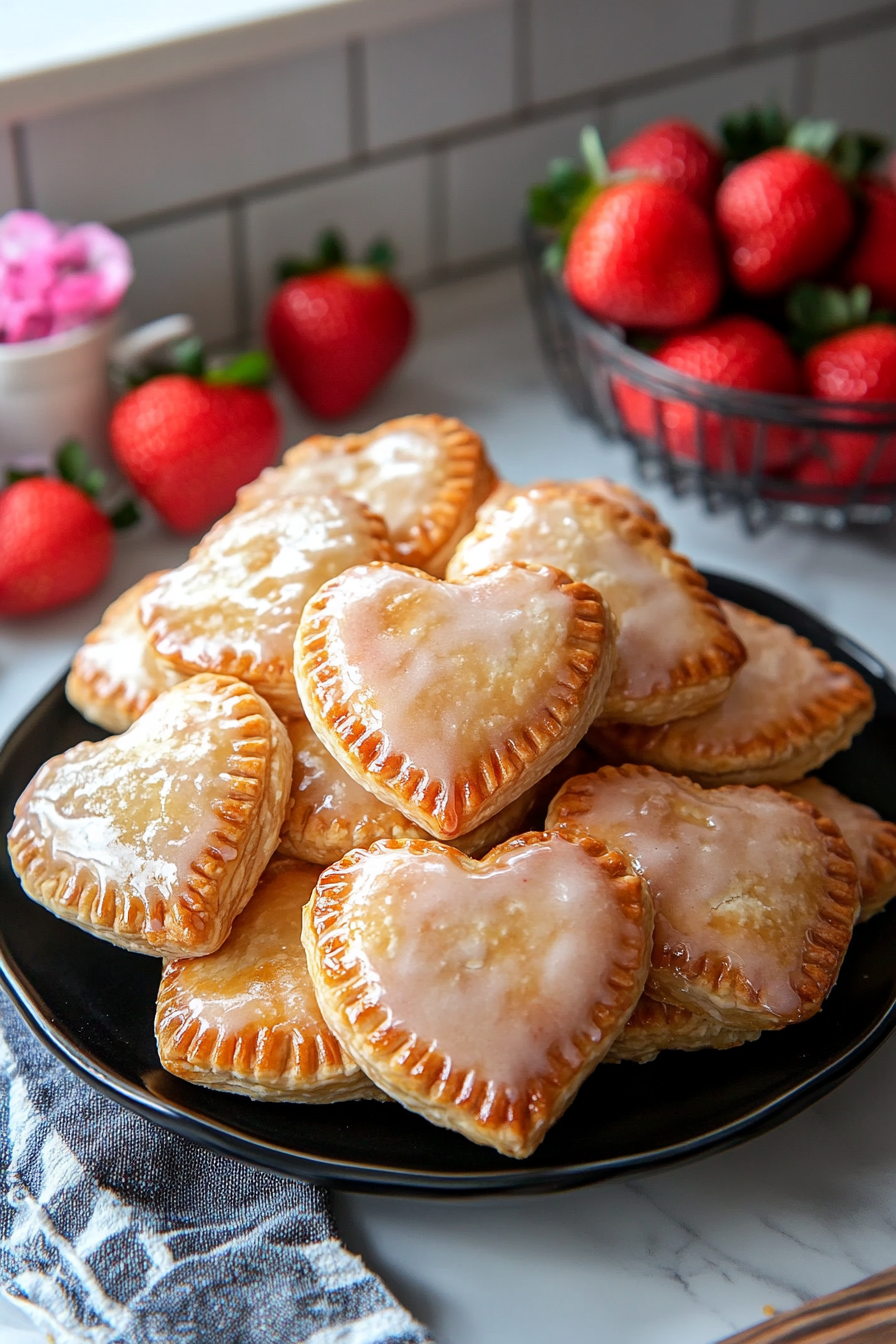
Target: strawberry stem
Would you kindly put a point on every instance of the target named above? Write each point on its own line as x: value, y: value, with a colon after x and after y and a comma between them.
x: 252, y: 369
x: 593, y: 154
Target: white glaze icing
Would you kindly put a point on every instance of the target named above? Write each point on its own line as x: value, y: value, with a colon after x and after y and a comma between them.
x: 494, y: 964
x: 658, y: 621
x: 448, y: 671
x: 136, y: 810
x: 396, y: 473
x: 259, y: 978
x: 118, y: 659
x: 734, y: 873
x: 245, y: 586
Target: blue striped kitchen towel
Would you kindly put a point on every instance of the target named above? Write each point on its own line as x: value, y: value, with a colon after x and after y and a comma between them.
x: 114, y: 1231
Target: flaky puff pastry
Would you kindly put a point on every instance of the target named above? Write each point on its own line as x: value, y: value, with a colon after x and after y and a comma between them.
x: 424, y: 474
x: 655, y: 1026
x: 614, y: 491
x: 756, y: 894
x: 155, y: 839
x: 116, y: 674
x: 789, y: 710
x: 234, y: 606
x: 675, y: 652
x: 449, y: 700
x: 244, y: 1019
x: 479, y: 993
x: 871, y: 839
x: 329, y: 813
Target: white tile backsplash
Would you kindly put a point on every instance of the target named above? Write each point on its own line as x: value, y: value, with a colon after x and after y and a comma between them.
x: 185, y: 268
x: 392, y: 200
x: 856, y: 82
x: 487, y: 182
x: 581, y: 44
x: 772, y: 18
x: 705, y: 101
x: 9, y: 195
x: 436, y: 76
x: 131, y: 156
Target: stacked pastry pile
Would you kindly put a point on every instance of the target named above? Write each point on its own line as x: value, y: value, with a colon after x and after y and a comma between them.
x: 318, y: 731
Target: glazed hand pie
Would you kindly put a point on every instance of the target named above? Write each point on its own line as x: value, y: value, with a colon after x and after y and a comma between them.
x: 479, y: 993
x: 234, y: 606
x: 116, y: 674
x: 871, y: 839
x: 614, y: 491
x: 424, y: 474
x: 790, y: 708
x: 329, y: 813
x: 245, y: 1019
x: 675, y: 652
x: 155, y: 839
x: 448, y: 700
x: 755, y: 893
x: 655, y: 1026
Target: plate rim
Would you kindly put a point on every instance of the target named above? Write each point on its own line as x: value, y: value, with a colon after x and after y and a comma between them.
x: 377, y: 1177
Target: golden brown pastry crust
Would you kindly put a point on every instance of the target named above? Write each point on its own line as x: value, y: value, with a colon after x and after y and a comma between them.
x: 485, y: 767
x: 155, y: 839
x: 234, y: 606
x: 509, y: 1106
x: 329, y: 813
x: 244, y: 1019
x: 792, y: 946
x: 871, y: 839
x: 655, y: 1026
x: 767, y: 731
x: 676, y: 653
x: 449, y: 489
x: 614, y: 491
x: 116, y: 674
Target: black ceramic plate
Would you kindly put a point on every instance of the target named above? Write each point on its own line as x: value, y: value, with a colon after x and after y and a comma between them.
x: 92, y: 1004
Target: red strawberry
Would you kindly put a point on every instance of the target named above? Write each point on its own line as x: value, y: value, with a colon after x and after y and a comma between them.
x: 872, y: 260
x: 643, y: 255
x: 335, y: 330
x: 676, y: 153
x: 859, y: 366
x: 783, y: 216
x: 739, y: 352
x: 55, y: 545
x: 188, y: 445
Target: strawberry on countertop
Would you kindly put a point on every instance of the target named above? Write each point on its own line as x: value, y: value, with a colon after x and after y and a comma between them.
x: 674, y: 152
x: 188, y: 440
x: 337, y: 330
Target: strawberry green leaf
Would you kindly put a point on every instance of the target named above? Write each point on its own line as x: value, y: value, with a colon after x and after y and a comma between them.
x: 187, y: 356
x: 15, y: 474
x: 125, y: 515
x: 854, y: 152
x: 93, y: 482
x: 753, y: 130
x: 380, y: 255
x: 252, y: 369
x: 593, y: 153
x: 817, y: 311
x: 553, y: 256
x: 287, y: 268
x: 813, y: 136
x: 72, y: 462
x: 331, y: 249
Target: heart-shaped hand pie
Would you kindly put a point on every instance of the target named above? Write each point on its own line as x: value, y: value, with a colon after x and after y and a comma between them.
x: 675, y: 652
x: 871, y: 839
x: 755, y: 893
x: 245, y: 1019
x: 479, y: 993
x: 116, y: 674
x: 156, y: 839
x: 789, y: 710
x: 450, y: 700
x: 425, y: 474
x: 234, y: 605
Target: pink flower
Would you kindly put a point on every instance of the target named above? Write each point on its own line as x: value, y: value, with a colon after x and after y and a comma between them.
x: 54, y: 278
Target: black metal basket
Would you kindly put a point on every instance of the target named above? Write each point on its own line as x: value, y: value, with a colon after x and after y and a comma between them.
x: 734, y: 448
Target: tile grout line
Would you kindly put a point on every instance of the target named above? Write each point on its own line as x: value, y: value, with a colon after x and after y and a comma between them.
x: 21, y: 166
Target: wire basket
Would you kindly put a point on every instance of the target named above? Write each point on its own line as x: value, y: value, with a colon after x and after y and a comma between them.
x: 734, y: 448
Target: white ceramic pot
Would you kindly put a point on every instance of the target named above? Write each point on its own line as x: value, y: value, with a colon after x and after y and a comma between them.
x: 54, y: 389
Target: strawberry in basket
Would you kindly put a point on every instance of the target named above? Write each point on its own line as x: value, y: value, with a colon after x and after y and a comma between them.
x: 674, y: 152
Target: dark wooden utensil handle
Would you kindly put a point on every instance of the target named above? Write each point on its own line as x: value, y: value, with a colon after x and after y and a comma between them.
x: 862, y: 1314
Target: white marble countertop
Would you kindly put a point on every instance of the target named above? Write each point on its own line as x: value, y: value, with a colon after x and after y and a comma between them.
x: 686, y: 1256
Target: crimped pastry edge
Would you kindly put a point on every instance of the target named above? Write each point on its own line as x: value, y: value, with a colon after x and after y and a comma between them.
x: 545, y: 737
x: 417, y: 1074
x: 697, y: 682
x: 881, y: 861
x: 712, y: 985
x: 249, y: 815
x: 503, y: 491
x: 656, y: 1026
x: 273, y: 679
x: 786, y: 750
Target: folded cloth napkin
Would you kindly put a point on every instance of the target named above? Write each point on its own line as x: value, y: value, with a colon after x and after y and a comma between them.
x: 114, y: 1231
